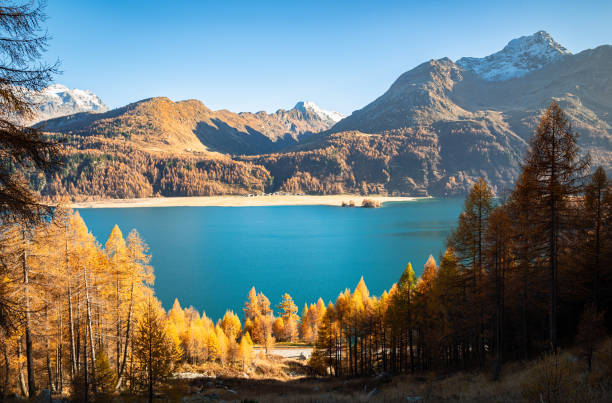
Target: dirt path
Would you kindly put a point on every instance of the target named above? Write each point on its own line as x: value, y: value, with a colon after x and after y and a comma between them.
x: 287, y: 352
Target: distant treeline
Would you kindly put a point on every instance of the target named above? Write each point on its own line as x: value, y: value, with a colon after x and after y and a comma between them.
x: 96, y: 166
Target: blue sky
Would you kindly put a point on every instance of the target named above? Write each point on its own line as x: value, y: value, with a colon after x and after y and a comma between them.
x: 265, y: 55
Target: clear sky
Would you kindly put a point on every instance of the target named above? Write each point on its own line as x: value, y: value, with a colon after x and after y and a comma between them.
x: 266, y: 55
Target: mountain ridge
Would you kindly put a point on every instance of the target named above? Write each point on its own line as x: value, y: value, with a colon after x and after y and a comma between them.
x: 436, y: 130
x: 160, y: 124
x: 57, y: 100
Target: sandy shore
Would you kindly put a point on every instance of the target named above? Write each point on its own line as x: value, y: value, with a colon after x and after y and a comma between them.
x: 239, y: 201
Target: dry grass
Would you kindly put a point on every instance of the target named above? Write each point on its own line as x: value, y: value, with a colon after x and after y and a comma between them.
x: 561, y: 378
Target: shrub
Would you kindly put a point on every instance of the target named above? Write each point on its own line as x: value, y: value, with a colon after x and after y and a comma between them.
x: 553, y: 380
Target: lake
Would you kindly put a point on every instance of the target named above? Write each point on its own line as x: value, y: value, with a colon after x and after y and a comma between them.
x: 210, y: 257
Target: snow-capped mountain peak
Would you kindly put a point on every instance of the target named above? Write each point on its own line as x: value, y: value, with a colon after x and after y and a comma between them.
x: 325, y: 115
x: 520, y: 56
x: 58, y: 100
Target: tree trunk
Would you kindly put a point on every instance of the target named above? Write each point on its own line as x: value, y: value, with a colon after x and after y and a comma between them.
x: 127, y: 339
x: 85, y: 373
x: 7, y: 369
x: 553, y: 251
x: 28, y: 334
x: 59, y: 364
x: 73, y: 351
x: 150, y: 368
x: 22, y: 382
x: 48, y: 351
x: 118, y: 324
x: 597, y: 252
x: 89, y: 330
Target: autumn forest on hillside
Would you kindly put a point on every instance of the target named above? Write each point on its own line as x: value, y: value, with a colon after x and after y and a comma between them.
x: 524, y: 275
x: 518, y: 307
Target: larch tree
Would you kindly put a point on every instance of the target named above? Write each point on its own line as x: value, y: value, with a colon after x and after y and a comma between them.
x: 118, y: 256
x: 499, y: 258
x: 231, y: 325
x: 154, y: 353
x: 139, y: 276
x: 597, y: 196
x: 467, y: 240
x: 525, y: 237
x: 404, y: 298
x: 246, y: 349
x: 22, y: 148
x: 289, y: 316
x: 557, y: 171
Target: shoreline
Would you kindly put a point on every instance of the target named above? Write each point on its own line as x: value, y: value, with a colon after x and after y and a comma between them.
x: 241, y: 201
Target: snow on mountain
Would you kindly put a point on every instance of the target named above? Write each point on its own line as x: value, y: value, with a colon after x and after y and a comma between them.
x: 521, y: 56
x: 58, y: 100
x: 323, y: 114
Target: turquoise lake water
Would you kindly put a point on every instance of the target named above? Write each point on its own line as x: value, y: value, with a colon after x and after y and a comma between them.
x: 210, y: 257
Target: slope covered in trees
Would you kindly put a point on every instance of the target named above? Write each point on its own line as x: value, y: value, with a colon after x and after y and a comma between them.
x: 439, y: 128
x: 521, y: 276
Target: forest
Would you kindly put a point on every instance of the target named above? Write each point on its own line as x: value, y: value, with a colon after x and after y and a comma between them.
x: 523, y: 275
x: 526, y: 275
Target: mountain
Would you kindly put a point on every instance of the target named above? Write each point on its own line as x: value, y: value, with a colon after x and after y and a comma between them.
x: 159, y: 124
x: 58, y: 100
x: 521, y: 56
x: 160, y: 147
x: 436, y: 130
x: 314, y: 112
x: 477, y: 115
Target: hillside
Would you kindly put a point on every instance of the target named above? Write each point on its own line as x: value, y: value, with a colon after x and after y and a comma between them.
x: 478, y: 117
x: 436, y: 130
x: 159, y: 124
x: 157, y: 147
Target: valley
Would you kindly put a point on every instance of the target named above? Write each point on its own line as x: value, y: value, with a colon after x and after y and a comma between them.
x: 438, y: 128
